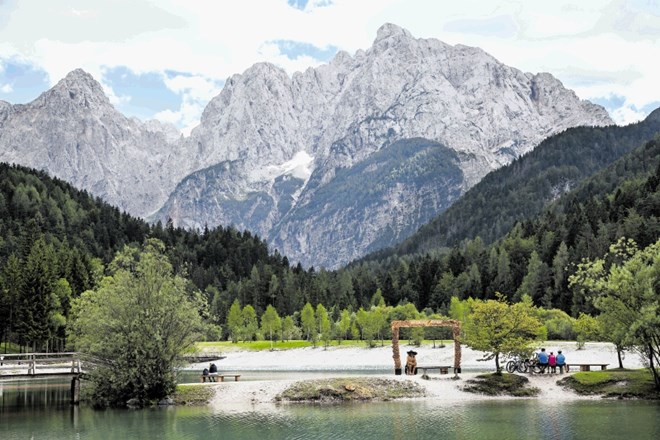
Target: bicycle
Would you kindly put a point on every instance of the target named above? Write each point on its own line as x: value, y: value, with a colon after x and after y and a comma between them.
x: 517, y: 364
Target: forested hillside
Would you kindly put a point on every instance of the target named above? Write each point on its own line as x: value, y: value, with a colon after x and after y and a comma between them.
x: 537, y: 256
x: 522, y: 189
x: 57, y: 242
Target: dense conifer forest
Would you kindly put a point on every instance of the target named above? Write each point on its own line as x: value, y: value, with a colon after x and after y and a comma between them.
x: 57, y: 242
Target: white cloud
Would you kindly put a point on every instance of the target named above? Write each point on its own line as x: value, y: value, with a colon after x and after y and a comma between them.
x: 195, y: 92
x: 210, y: 41
x: 7, y: 88
x: 627, y: 115
x: 186, y: 116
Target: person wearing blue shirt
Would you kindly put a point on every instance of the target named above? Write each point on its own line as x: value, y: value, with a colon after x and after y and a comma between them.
x: 543, y: 360
x: 561, y: 361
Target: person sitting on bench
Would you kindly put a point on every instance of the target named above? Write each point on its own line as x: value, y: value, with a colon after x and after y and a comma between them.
x: 214, y: 370
x: 411, y: 363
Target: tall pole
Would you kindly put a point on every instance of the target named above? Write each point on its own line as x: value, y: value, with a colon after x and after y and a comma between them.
x: 395, y: 349
x: 75, y: 390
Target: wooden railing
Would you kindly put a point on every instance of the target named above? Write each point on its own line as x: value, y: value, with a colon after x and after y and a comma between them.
x: 38, y: 362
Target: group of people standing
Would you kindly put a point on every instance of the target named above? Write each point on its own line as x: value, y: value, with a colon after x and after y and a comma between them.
x: 551, y: 361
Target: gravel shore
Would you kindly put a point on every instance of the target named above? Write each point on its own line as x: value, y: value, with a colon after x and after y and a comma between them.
x: 337, y: 361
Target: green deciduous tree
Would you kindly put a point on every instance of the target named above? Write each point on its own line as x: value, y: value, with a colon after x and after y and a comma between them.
x: 138, y: 322
x: 370, y: 322
x: 235, y: 321
x: 271, y: 324
x: 251, y: 323
x: 289, y: 328
x: 627, y: 293
x: 308, y: 323
x: 502, y: 329
x: 324, y: 324
x: 587, y: 328
x: 344, y: 325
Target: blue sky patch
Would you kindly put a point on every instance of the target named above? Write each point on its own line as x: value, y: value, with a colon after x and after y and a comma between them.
x: 21, y: 83
x: 648, y: 108
x: 295, y: 49
x: 148, y: 92
x: 610, y: 102
x: 298, y: 4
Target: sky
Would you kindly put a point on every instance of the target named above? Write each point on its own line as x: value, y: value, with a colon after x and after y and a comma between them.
x: 166, y: 59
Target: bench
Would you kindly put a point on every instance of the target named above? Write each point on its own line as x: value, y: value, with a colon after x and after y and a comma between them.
x: 213, y: 377
x: 586, y: 367
x: 443, y: 369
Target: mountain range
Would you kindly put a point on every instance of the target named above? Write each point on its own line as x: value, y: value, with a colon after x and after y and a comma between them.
x: 327, y: 164
x: 523, y: 188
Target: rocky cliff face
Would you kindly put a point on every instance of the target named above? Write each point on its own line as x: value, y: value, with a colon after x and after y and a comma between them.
x: 339, y: 116
x: 326, y: 164
x: 73, y: 132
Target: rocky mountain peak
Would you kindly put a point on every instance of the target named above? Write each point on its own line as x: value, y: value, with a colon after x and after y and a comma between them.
x: 76, y: 90
x: 345, y: 128
x: 5, y: 108
x: 346, y: 116
x: 389, y: 30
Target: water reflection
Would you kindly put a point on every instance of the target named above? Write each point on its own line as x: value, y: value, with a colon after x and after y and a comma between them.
x: 35, y: 412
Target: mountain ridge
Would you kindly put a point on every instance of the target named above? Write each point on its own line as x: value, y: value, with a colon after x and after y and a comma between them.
x: 343, y: 112
x: 561, y: 159
x: 337, y: 115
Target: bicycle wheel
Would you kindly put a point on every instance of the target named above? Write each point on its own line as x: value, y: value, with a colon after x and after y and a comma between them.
x: 511, y: 366
x: 522, y: 366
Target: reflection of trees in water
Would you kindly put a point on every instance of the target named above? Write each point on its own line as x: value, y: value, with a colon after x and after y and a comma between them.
x: 28, y: 395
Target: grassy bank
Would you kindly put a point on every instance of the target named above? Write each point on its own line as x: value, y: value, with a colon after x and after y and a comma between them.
x: 350, y: 389
x: 614, y: 383
x: 501, y: 385
x: 193, y: 395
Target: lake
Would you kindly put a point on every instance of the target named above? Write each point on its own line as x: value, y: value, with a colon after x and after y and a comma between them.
x: 40, y: 410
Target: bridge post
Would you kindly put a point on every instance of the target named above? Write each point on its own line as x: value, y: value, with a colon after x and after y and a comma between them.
x: 75, y: 390
x: 75, y: 365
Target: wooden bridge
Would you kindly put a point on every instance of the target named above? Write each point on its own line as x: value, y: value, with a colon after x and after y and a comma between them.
x: 44, y: 365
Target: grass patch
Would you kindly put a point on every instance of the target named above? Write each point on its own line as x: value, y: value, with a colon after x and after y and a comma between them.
x: 9, y: 348
x: 622, y: 384
x: 193, y: 395
x: 501, y: 384
x: 228, y: 346
x: 350, y: 389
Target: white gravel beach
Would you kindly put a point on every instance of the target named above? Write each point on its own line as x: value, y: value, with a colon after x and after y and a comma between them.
x: 378, y: 362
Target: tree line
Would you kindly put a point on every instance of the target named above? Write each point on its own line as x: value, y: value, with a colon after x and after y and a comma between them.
x: 57, y: 242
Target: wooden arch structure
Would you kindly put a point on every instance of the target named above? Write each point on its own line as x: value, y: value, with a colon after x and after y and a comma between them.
x: 456, y: 331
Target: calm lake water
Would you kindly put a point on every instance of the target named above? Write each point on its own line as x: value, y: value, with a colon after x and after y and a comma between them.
x: 30, y: 410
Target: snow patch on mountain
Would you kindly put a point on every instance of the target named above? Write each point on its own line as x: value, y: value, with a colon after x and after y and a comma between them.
x: 300, y: 166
